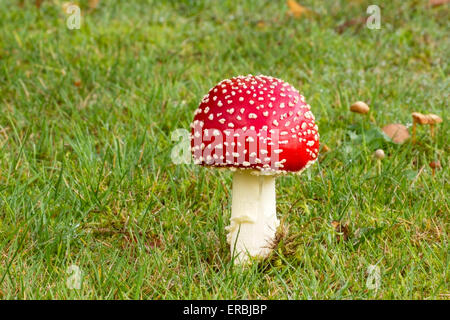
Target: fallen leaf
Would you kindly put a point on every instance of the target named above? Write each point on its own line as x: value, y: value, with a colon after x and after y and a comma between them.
x: 360, y: 21
x: 38, y: 3
x: 437, y: 3
x: 93, y: 3
x: 342, y: 230
x: 296, y: 9
x: 397, y: 132
x: 260, y: 24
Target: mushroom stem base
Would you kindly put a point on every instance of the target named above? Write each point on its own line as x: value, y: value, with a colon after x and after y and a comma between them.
x: 254, y: 221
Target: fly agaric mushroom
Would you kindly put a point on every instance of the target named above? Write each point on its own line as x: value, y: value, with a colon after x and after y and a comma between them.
x: 258, y: 127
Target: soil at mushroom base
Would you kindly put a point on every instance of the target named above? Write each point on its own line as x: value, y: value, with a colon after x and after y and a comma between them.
x: 260, y: 127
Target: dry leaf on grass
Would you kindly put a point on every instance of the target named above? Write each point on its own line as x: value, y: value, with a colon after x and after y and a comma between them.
x: 342, y: 230
x: 360, y: 21
x: 297, y: 10
x: 260, y: 24
x: 397, y: 132
x: 437, y: 3
x: 93, y: 3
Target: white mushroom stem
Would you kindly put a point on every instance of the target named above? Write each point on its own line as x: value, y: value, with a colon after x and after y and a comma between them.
x: 253, y: 216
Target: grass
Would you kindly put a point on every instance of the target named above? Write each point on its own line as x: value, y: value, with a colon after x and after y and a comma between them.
x: 85, y: 133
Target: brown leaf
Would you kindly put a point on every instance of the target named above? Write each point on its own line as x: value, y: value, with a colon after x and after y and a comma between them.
x: 342, y: 230
x: 297, y: 10
x: 260, y: 24
x: 349, y: 23
x: 93, y: 3
x: 397, y: 132
x: 38, y: 3
x: 437, y: 3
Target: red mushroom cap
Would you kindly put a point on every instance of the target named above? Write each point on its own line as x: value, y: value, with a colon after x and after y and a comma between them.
x: 254, y: 122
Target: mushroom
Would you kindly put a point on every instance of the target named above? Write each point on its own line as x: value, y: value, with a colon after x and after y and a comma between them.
x: 379, y: 155
x: 433, y: 119
x: 359, y: 107
x: 325, y: 148
x: 435, y: 165
x: 259, y: 127
x: 397, y: 132
x: 418, y: 118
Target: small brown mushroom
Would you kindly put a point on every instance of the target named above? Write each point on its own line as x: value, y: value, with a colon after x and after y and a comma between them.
x: 435, y: 165
x: 433, y: 119
x: 418, y: 118
x: 397, y: 132
x: 325, y: 148
x: 379, y: 155
x: 359, y: 107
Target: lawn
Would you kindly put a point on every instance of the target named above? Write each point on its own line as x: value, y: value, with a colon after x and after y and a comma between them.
x: 87, y: 185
